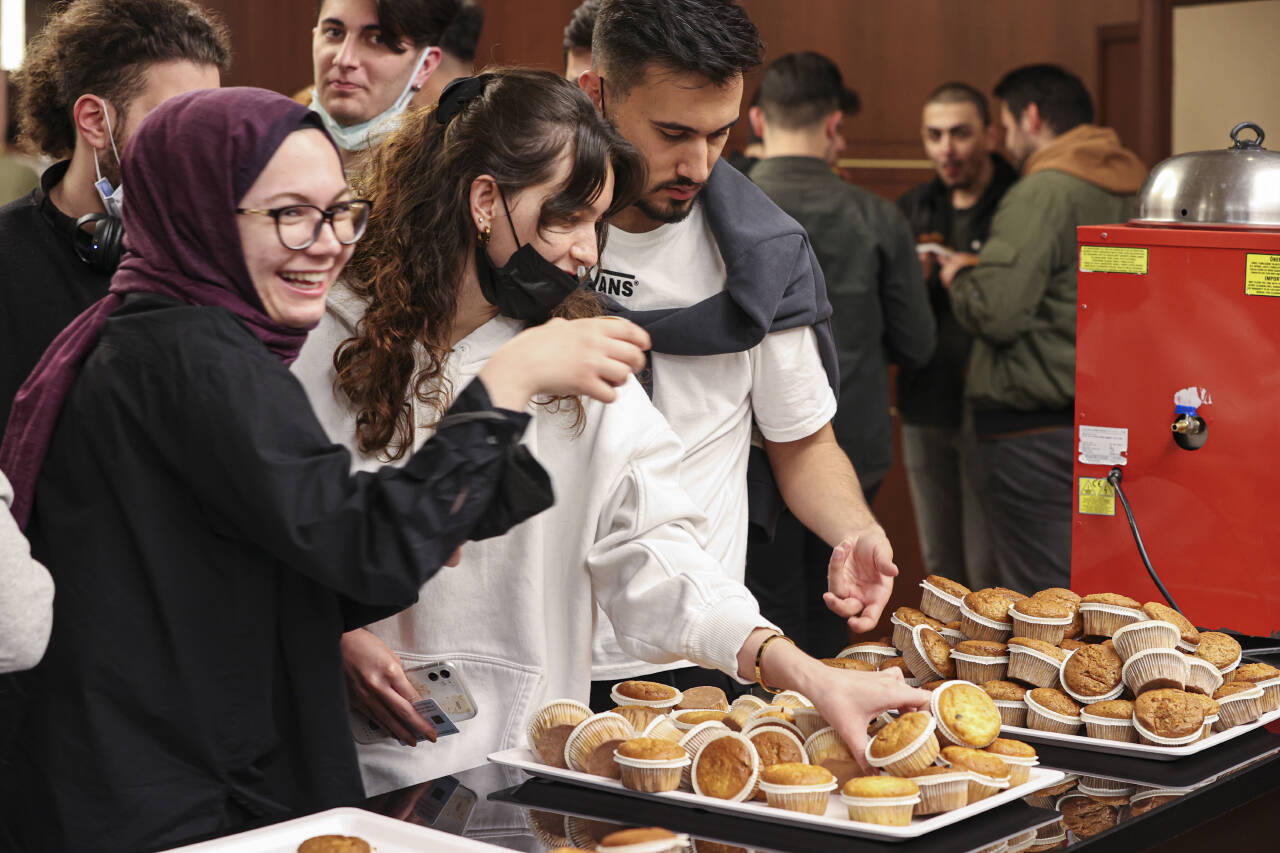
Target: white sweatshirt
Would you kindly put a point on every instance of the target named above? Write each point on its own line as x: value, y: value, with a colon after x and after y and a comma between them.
x: 516, y: 616
x: 26, y: 594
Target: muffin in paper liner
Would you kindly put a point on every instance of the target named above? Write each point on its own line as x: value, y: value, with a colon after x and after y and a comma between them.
x: 1202, y: 676
x: 597, y: 731
x: 621, y: 690
x: 586, y: 833
x: 1019, y: 768
x: 670, y: 842
x: 639, y: 716
x: 690, y: 717
x: 791, y: 699
x: 1152, y: 669
x: 1145, y: 634
x: 1148, y: 739
x: 549, y: 729
x: 1013, y: 712
x: 1103, y: 786
x: 882, y: 810
x: 1209, y: 722
x: 952, y: 636
x: 1270, y: 700
x: 978, y: 627
x: 812, y: 798
x: 938, y: 603
x: 872, y: 653
x: 693, y: 741
x: 757, y: 721
x: 748, y: 784
x: 747, y: 700
x: 941, y: 792
x: 800, y: 755
x: 809, y: 721
x: 548, y: 828
x: 1051, y: 630
x: 1238, y: 709
x: 1045, y: 720
x: 976, y: 738
x: 980, y: 668
x: 917, y: 661
x: 1021, y: 841
x: 1033, y: 667
x: 981, y: 787
x: 1102, y: 620
x: 1108, y: 728
x: 651, y: 776
x: 1082, y: 698
x: 912, y: 758
x: 662, y: 727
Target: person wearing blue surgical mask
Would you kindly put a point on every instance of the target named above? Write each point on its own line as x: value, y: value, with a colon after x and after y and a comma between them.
x: 370, y: 58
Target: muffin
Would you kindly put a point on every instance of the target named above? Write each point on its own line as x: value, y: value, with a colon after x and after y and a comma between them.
x: 984, y: 615
x: 776, y: 745
x: 798, y: 787
x: 1238, y: 702
x: 1012, y: 595
x: 952, y: 633
x: 905, y: 746
x: 1038, y: 618
x: 872, y: 652
x: 928, y: 655
x: 1009, y: 699
x: 827, y: 749
x: 940, y: 597
x: 648, y: 693
x: 1085, y: 816
x: 709, y: 697
x: 550, y: 727
x: 1104, y: 612
x: 1153, y: 669
x: 334, y: 844
x: 899, y: 663
x: 590, y: 746
x: 1144, y: 801
x: 1112, y: 792
x: 726, y: 768
x: 987, y: 773
x: 1265, y: 676
x: 1144, y: 634
x: 685, y: 720
x: 1035, y: 662
x: 882, y: 800
x: 1061, y: 593
x: 1220, y: 650
x: 650, y: 764
x: 965, y: 714
x: 808, y: 721
x: 771, y: 716
x: 662, y: 727
x: 548, y: 828
x: 1020, y: 757
x: 1188, y: 636
x: 1068, y: 783
x: 1092, y: 674
x: 1110, y: 720
x: 693, y: 741
x: 1202, y: 676
x: 1168, y: 717
x: 649, y: 839
x: 790, y: 699
x: 585, y: 833
x: 850, y: 663
x: 942, y: 789
x: 1212, y: 712
x: 1051, y: 710
x: 1069, y: 645
x: 981, y: 660
x: 906, y: 618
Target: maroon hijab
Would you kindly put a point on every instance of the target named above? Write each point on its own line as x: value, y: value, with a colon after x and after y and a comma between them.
x: 184, y: 172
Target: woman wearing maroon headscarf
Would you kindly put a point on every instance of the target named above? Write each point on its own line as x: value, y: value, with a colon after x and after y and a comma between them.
x: 207, y: 541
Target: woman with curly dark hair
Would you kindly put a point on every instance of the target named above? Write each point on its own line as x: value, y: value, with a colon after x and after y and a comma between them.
x: 484, y: 212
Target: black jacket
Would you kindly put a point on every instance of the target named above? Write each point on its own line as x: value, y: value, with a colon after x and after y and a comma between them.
x: 933, y: 395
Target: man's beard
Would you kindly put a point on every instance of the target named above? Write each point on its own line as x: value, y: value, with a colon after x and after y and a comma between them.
x: 669, y: 211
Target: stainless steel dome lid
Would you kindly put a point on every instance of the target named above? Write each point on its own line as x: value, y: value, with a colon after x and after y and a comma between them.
x: 1229, y: 187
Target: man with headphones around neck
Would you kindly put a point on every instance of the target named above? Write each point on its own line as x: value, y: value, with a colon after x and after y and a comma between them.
x: 89, y: 78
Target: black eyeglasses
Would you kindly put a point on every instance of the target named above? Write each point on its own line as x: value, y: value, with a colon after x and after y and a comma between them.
x: 298, y: 225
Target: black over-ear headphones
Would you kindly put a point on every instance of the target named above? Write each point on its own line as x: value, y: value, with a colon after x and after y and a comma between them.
x: 102, y: 246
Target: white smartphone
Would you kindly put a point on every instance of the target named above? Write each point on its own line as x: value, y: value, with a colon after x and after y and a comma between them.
x: 439, y: 681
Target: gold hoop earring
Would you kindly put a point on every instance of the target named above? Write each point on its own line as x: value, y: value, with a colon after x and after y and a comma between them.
x: 485, y: 234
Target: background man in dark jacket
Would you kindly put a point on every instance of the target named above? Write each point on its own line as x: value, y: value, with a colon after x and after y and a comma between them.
x: 880, y: 313
x: 951, y: 213
x: 1018, y: 299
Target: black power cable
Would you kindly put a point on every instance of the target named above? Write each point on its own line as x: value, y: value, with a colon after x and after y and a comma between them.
x: 1114, y: 477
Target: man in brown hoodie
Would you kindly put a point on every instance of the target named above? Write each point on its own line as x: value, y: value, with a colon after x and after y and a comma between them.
x: 1018, y: 299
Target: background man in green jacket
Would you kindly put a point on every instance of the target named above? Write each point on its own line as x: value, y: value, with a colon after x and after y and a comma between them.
x: 1018, y: 299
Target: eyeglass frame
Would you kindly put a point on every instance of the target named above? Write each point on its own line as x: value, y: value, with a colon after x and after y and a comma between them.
x: 326, y: 215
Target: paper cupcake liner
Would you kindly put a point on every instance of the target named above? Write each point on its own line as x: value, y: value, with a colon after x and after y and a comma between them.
x: 791, y: 699
x: 917, y: 660
x: 1184, y: 646
x: 592, y: 733
x: 1231, y: 667
x: 942, y: 606
x: 663, y: 729
x: 1051, y: 630
x: 1102, y: 620
x: 1033, y: 667
x: 559, y: 712
x: 650, y: 776
x: 1021, y: 842
x: 953, y: 636
x: 1103, y: 786
x: 913, y: 757
x: 1013, y: 712
x: 874, y: 655
x: 1155, y: 667
x: 1045, y: 720
x: 1146, y: 634
x: 901, y: 633
x: 981, y: 787
x: 580, y: 834
x: 942, y: 792
x: 978, y: 627
x: 1239, y: 709
x: 682, y: 726
x: 756, y: 722
x: 623, y: 699
x: 979, y: 668
x: 809, y: 799
x: 750, y: 784
x: 1109, y: 728
x: 809, y: 721
x: 746, y: 700
x: 1270, y: 700
x: 678, y: 844
x: 551, y: 837
x: 1149, y: 739
x: 799, y: 744
x: 1019, y: 768
x: 1202, y: 676
x: 1209, y: 723
x: 882, y: 811
x: 945, y: 733
x: 693, y: 741
x: 822, y: 745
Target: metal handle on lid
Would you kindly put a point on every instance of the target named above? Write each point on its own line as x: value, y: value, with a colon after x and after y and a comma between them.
x: 1243, y: 143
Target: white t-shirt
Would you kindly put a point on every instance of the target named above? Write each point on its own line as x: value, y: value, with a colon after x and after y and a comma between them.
x: 711, y: 401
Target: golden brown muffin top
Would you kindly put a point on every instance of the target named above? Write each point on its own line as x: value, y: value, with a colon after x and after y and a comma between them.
x: 796, y: 773
x: 639, y: 835
x: 899, y: 734
x: 896, y: 663
x: 1113, y: 598
x: 1210, y: 707
x: 334, y: 844
x: 1112, y: 709
x: 1231, y: 688
x: 880, y: 786
x: 1165, y: 613
x: 982, y: 648
x: 1255, y: 672
x: 947, y: 585
x: 1040, y: 646
x: 1054, y: 700
x: 953, y: 625
x: 779, y: 712
x: 638, y: 716
x: 1012, y: 748
x: 912, y: 617
x: 1093, y: 670
x: 1070, y: 645
x: 877, y: 644
x: 1061, y: 593
x: 1011, y: 594
x: 1168, y: 713
x: 969, y: 713
x: 937, y: 651
x: 989, y: 604
x: 1218, y: 649
x: 982, y: 763
x: 646, y: 691
x: 934, y: 771
x: 724, y: 767
x: 1005, y: 691
x: 849, y: 663
x: 708, y: 696
x: 651, y: 749
x: 775, y: 747
x: 1041, y: 608
x: 701, y: 715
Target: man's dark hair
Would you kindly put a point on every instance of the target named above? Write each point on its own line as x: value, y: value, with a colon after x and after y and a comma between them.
x: 421, y: 23
x: 1061, y: 98
x: 103, y: 47
x: 577, y: 34
x: 713, y: 38
x: 801, y: 89
x: 956, y: 92
x: 459, y: 39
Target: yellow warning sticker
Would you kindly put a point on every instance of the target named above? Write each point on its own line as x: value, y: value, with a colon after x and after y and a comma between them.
x: 1097, y: 497
x: 1113, y: 259
x: 1262, y: 275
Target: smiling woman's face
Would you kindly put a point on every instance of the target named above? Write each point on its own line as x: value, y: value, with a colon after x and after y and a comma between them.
x: 292, y: 283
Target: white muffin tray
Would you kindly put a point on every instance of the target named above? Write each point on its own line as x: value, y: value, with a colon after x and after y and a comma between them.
x: 836, y: 820
x: 1136, y: 750
x: 384, y: 834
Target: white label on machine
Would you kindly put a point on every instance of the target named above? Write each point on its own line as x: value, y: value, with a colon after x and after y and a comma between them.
x: 1104, y: 445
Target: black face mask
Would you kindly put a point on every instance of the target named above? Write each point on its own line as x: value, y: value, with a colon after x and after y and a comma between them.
x: 529, y: 287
